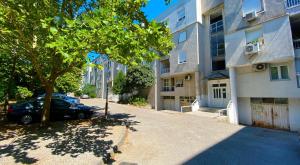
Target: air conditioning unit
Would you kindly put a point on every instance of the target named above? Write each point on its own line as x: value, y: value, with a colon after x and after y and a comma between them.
x: 252, y: 49
x: 251, y: 16
x: 259, y: 67
x: 188, y: 77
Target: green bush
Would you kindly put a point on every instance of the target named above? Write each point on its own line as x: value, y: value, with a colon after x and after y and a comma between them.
x: 23, y: 93
x: 119, y: 83
x: 78, y: 93
x: 137, y: 101
x: 89, y: 90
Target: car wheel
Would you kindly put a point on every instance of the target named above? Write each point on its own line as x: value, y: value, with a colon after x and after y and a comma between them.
x: 81, y: 115
x: 26, y: 119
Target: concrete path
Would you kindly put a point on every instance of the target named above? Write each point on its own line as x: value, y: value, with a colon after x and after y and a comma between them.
x: 174, y: 138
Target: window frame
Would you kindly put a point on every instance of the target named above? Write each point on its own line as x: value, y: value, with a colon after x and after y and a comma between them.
x: 279, y: 72
x: 179, y: 83
x: 182, y: 34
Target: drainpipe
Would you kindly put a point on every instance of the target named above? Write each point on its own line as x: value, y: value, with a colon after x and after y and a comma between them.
x: 233, y: 111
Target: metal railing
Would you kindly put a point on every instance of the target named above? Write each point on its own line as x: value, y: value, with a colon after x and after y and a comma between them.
x: 297, y: 43
x: 292, y: 3
x: 168, y: 89
x: 165, y: 70
x: 216, y: 26
x: 193, y: 106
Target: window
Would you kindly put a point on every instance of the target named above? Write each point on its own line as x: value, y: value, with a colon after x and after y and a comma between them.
x: 186, y: 100
x: 182, y: 37
x: 252, y: 5
x: 179, y: 83
x: 218, y: 65
x: 279, y: 72
x: 182, y: 58
x: 217, y: 45
x: 181, y: 15
x: 219, y: 91
x: 168, y: 97
x: 254, y: 36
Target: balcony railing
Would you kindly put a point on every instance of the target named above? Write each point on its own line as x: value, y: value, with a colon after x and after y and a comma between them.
x: 165, y: 70
x: 297, y: 43
x: 168, y: 89
x: 292, y: 3
x: 216, y: 26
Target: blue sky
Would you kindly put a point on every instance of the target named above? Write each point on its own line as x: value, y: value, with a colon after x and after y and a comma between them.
x: 153, y: 9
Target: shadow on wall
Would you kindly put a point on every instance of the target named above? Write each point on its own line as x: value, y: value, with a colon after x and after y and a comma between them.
x: 64, y: 138
x: 252, y: 146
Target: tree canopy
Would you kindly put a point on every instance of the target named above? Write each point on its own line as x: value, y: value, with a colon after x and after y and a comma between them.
x: 56, y: 35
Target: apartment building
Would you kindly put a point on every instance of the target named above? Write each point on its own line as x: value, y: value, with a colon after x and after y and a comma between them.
x: 241, y: 53
x: 194, y: 75
x: 104, y: 78
x: 263, y: 62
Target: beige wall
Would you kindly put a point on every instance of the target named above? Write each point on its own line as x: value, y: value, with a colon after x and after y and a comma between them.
x: 278, y: 44
x: 234, y: 14
x: 258, y: 84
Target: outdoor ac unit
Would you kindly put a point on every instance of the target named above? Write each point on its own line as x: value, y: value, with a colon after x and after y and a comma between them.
x: 251, y: 16
x: 259, y: 67
x: 252, y: 49
x: 188, y: 77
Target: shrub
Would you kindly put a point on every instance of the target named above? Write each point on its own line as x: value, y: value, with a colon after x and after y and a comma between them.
x: 78, y: 93
x: 23, y: 93
x: 137, y: 101
x: 89, y: 90
x: 119, y: 83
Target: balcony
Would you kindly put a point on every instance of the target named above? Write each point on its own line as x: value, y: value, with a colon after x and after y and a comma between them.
x: 168, y: 89
x: 216, y: 27
x: 164, y: 70
x: 165, y: 66
x: 292, y: 3
x: 292, y: 7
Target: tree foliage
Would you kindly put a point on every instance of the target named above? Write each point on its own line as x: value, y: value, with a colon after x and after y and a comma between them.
x: 69, y: 82
x: 139, y: 77
x: 56, y: 35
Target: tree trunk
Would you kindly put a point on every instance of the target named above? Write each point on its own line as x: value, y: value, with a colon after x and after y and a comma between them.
x: 47, y: 106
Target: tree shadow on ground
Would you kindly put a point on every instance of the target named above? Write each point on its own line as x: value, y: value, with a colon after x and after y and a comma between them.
x: 71, y: 138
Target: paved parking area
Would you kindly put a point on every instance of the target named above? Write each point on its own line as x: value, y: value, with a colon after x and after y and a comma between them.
x: 176, y: 138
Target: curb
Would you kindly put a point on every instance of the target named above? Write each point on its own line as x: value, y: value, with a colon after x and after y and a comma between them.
x: 112, y: 152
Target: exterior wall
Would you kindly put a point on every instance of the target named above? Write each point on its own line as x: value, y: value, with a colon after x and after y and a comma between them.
x: 191, y: 12
x: 294, y: 114
x: 190, y: 47
x: 234, y: 14
x: 206, y: 5
x: 244, y: 108
x: 278, y: 44
x: 258, y: 84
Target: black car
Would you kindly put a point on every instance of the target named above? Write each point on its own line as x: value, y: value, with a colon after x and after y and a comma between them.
x: 61, y: 96
x: 29, y: 111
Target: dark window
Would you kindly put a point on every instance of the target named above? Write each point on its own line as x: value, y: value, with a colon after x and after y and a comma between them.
x: 60, y: 103
x: 218, y: 65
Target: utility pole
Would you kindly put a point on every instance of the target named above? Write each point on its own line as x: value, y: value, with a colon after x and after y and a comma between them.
x: 106, y: 102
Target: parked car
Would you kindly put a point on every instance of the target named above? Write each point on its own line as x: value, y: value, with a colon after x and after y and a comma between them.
x: 29, y: 111
x: 85, y: 96
x: 62, y: 96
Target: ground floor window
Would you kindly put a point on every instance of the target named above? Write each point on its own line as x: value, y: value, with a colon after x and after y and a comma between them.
x: 186, y: 100
x: 219, y: 91
x: 269, y: 100
x: 279, y: 72
x: 168, y: 97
